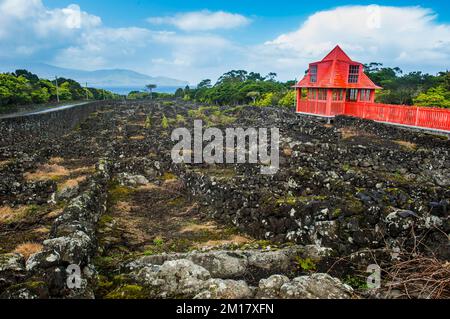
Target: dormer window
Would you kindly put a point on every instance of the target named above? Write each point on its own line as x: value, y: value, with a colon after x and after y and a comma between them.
x: 313, y: 73
x: 353, y: 74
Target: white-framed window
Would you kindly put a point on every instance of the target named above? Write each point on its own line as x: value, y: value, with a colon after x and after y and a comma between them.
x: 312, y: 94
x: 313, y: 73
x: 338, y: 94
x: 322, y: 94
x: 353, y: 74
x: 352, y: 95
x: 365, y: 95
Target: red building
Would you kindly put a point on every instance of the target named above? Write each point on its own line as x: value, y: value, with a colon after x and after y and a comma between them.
x: 333, y: 81
x: 338, y: 85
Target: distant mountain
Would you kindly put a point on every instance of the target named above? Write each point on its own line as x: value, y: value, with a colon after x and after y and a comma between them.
x: 115, y: 78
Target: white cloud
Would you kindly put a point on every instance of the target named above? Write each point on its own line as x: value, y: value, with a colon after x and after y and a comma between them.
x: 30, y: 23
x: 143, y: 50
x: 65, y: 20
x: 409, y: 37
x: 20, y: 9
x: 107, y: 47
x: 204, y: 20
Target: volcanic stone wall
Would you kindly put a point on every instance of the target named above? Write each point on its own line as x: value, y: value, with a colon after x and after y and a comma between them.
x: 72, y: 243
x: 45, y: 125
x: 345, y: 210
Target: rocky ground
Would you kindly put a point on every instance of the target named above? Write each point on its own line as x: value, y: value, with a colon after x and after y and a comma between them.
x: 108, y: 198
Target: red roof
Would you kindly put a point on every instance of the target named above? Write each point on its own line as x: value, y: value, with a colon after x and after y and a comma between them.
x: 333, y: 71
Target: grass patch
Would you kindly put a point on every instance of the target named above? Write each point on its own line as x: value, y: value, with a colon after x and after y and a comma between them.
x: 397, y: 178
x: 177, y: 202
x: 137, y: 138
x: 28, y: 249
x: 127, y: 292
x: 56, y: 160
x: 167, y: 176
x: 211, y: 115
x: 71, y: 183
x: 45, y: 172
x: 118, y: 193
x: 234, y: 110
x: 10, y: 215
x: 354, y: 205
x: 337, y: 212
x: 350, y: 132
x: 217, y: 172
x: 408, y: 146
x: 4, y: 163
x: 292, y: 200
x: 158, y: 241
x: 148, y: 122
x: 346, y: 167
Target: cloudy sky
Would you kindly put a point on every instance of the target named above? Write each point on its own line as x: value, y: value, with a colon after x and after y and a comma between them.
x: 197, y: 39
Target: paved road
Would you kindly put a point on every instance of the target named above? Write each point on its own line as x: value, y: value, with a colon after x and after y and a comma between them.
x: 42, y: 111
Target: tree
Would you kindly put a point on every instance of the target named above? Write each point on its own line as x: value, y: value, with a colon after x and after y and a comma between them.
x: 40, y: 95
x: 137, y: 95
x: 444, y: 79
x: 233, y: 76
x: 253, y: 95
x: 64, y: 92
x: 436, y: 97
x: 204, y: 84
x: 268, y: 99
x: 288, y: 100
x: 32, y: 78
x: 252, y: 76
x: 15, y: 90
x: 23, y: 87
x: 271, y: 76
x: 150, y: 88
x: 179, y: 92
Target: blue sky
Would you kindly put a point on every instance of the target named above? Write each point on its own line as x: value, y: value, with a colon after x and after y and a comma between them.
x: 197, y: 39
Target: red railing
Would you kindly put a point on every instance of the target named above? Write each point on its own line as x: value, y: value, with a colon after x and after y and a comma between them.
x: 427, y: 117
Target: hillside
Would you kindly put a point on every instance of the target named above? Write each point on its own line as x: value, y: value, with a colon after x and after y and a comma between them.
x: 99, y: 78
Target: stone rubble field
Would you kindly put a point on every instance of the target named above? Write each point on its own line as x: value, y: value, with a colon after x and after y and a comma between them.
x: 106, y: 196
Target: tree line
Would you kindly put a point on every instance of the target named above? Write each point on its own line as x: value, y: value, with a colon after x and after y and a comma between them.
x: 414, y: 88
x: 23, y: 88
x: 241, y: 87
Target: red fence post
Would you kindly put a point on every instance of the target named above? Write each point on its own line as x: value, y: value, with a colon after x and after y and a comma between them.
x: 417, y: 116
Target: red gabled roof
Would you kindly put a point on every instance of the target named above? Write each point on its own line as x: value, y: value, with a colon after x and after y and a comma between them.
x: 332, y: 72
x: 337, y: 54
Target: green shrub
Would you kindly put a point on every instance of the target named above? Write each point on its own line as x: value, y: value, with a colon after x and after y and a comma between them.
x: 165, y: 122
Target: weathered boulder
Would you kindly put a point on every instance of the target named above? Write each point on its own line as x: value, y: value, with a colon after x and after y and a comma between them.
x: 270, y: 288
x: 75, y: 249
x: 126, y: 179
x: 67, y: 193
x: 27, y: 290
x: 12, y: 269
x: 11, y: 262
x: 222, y: 264
x: 234, y: 264
x: 174, y: 279
x: 315, y: 286
x: 42, y: 260
x: 398, y: 223
x: 279, y: 260
x: 226, y: 289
